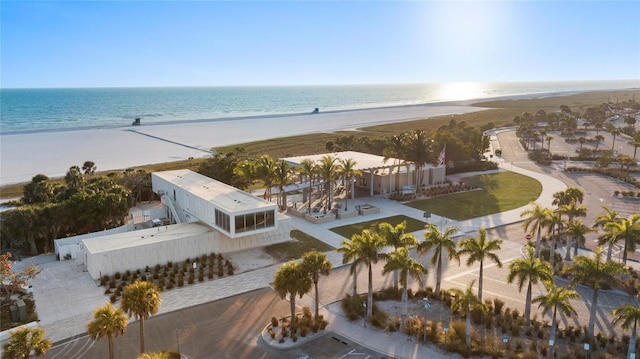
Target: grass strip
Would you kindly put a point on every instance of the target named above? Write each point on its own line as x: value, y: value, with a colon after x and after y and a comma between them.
x: 356, y: 228
x: 284, y: 252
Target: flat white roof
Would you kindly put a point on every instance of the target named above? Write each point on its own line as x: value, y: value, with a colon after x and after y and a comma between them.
x: 363, y: 161
x: 222, y: 195
x: 144, y: 236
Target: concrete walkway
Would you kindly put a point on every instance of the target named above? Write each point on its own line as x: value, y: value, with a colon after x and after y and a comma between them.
x: 65, y: 305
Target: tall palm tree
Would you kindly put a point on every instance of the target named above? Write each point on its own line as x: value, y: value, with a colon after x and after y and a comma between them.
x: 465, y: 302
x: 549, y: 139
x: 557, y: 298
x: 368, y: 245
x: 609, y: 215
x: 614, y: 132
x: 108, y: 322
x: 555, y: 224
x: 347, y: 171
x: 308, y: 168
x: 349, y: 249
x: 628, y: 316
x: 328, y: 170
x: 635, y: 143
x: 594, y: 272
x: 576, y: 230
x: 537, y: 218
x: 396, y: 237
x: 628, y: 229
x: 282, y: 177
x: 142, y: 300
x: 400, y: 261
x: 599, y: 139
x: 417, y: 151
x: 531, y: 270
x: 562, y: 198
x: 316, y: 264
x: 439, y: 242
x: 394, y: 148
x: 265, y: 169
x: 23, y: 341
x: 292, y: 279
x: 478, y: 249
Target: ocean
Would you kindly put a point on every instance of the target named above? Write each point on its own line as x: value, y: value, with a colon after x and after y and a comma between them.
x: 35, y: 110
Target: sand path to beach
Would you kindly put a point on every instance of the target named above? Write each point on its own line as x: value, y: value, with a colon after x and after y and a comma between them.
x: 24, y: 155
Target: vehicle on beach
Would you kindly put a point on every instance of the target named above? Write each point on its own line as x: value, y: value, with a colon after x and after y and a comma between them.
x: 316, y: 110
x: 136, y: 122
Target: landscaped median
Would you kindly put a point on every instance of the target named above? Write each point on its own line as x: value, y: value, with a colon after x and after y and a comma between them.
x: 277, y: 334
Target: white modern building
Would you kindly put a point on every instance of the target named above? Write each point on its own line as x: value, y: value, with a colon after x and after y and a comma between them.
x: 207, y: 216
x: 380, y: 175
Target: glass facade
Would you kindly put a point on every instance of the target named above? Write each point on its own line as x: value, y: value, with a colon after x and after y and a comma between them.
x: 254, y: 221
x: 222, y: 220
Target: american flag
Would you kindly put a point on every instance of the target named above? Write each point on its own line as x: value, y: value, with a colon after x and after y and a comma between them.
x: 441, y: 156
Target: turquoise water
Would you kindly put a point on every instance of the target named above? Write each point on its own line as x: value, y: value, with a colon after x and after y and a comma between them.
x: 26, y: 110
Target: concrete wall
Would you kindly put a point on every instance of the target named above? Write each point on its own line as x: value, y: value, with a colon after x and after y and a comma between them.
x: 72, y: 245
x: 176, y: 250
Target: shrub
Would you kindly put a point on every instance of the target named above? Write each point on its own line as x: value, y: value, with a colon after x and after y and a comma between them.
x: 274, y: 322
x: 113, y: 298
x: 104, y: 280
x: 498, y: 304
x: 117, y: 275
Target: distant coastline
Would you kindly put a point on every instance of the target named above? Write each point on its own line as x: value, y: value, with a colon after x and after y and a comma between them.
x: 50, y: 110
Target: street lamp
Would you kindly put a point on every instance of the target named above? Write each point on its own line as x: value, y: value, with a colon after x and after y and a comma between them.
x: 445, y: 327
x: 586, y: 350
x: 426, y: 306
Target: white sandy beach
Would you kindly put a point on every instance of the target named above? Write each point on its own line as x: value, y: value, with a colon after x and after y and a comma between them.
x: 52, y: 153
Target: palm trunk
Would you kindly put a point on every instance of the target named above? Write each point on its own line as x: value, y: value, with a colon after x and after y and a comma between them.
x: 527, y: 307
x: 575, y: 247
x: 552, y: 252
x: 354, y: 287
x: 438, y: 276
x: 141, y: 335
x: 538, y: 244
x: 554, y: 327
x: 609, y: 251
x: 468, y: 329
x: 395, y: 279
x: 405, y: 310
x: 567, y: 257
x: 632, y: 341
x: 592, y: 312
x: 292, y: 302
x: 110, y: 347
x: 315, y: 282
x: 624, y: 253
x: 480, y: 282
x: 370, y: 295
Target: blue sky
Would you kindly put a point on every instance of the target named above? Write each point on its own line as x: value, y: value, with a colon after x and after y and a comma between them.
x: 208, y: 43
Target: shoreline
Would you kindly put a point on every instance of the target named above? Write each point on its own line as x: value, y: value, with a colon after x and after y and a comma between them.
x: 115, y: 148
x: 468, y: 102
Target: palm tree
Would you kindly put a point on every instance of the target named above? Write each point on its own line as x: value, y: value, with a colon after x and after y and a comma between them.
x: 557, y: 298
x: 89, y: 168
x: 465, y: 302
x: 308, y: 168
x: 531, y: 270
x: 600, y: 221
x: 628, y: 229
x: 282, y: 177
x: 400, y: 261
x: 549, y: 139
x: 142, y: 300
x: 478, y: 249
x: 614, y: 132
x: 265, y: 169
x: 439, y: 242
x: 348, y: 170
x: 537, y: 219
x: 635, y: 143
x: 396, y: 237
x: 576, y: 230
x: 565, y: 197
x: 108, y: 322
x: 328, y: 170
x: 555, y: 223
x: 292, y: 279
x: 316, y: 264
x: 595, y: 273
x: 394, y: 149
x: 628, y: 315
x: 23, y: 341
x: 349, y: 250
x: 417, y: 151
x: 599, y: 139
x: 368, y: 250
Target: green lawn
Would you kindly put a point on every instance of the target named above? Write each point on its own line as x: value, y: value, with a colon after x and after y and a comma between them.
x: 303, y: 243
x: 347, y: 231
x: 499, y: 192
